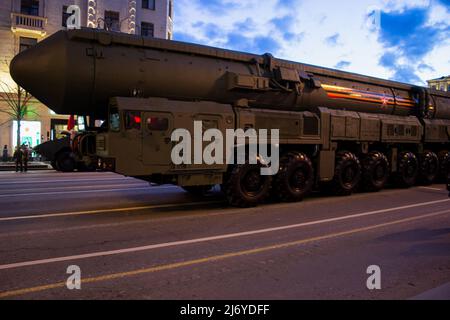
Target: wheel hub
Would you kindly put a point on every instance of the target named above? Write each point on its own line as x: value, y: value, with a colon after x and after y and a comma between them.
x: 252, y: 182
x: 298, y: 180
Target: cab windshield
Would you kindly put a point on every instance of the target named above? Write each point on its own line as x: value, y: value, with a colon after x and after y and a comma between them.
x: 114, y: 119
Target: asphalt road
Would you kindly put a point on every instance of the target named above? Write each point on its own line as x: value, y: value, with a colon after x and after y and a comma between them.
x: 134, y: 241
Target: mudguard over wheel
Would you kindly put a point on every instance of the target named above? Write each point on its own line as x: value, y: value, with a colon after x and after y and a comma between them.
x: 347, y: 174
x: 295, y: 179
x: 246, y: 187
x: 429, y: 167
x: 407, y: 170
x: 375, y: 167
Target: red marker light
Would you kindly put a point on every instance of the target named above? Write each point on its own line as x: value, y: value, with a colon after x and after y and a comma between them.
x: 137, y: 119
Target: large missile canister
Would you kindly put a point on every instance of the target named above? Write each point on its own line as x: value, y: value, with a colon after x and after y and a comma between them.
x: 78, y: 71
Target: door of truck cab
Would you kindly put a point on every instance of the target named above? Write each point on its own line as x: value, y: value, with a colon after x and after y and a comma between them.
x: 156, y: 136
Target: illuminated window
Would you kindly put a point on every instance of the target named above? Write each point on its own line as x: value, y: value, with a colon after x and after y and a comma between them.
x: 30, y: 133
x: 147, y: 29
x: 25, y: 43
x: 29, y: 7
x: 149, y: 4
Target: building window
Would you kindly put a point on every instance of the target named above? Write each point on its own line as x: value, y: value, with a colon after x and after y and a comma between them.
x: 65, y: 16
x: 448, y: 87
x: 112, y: 19
x: 29, y: 7
x: 25, y: 43
x: 442, y: 87
x: 149, y: 4
x: 147, y: 29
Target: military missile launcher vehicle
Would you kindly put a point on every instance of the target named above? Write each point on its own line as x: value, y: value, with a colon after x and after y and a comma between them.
x: 337, y: 130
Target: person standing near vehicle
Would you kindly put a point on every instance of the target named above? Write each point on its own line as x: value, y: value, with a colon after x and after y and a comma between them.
x: 5, y: 153
x: 26, y: 156
x: 18, y: 157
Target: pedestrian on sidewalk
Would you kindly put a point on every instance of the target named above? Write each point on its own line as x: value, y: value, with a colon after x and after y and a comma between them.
x: 26, y: 156
x: 18, y: 158
x: 5, y: 153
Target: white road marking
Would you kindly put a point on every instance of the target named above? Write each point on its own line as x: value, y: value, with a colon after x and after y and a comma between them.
x: 435, y: 189
x: 81, y: 187
x: 18, y: 181
x: 213, y: 238
x: 78, y: 192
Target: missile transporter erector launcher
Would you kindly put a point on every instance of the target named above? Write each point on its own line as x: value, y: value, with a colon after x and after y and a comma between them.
x: 337, y: 130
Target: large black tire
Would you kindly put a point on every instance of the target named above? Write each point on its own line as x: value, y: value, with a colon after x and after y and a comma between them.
x: 54, y: 165
x: 375, y: 167
x: 198, y: 190
x: 65, y: 162
x: 246, y: 187
x: 295, y: 179
x: 444, y: 165
x: 408, y: 170
x: 347, y: 174
x: 429, y: 167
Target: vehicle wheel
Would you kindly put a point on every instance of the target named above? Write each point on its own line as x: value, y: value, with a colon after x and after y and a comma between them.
x: 429, y: 167
x: 65, y: 162
x: 375, y: 169
x: 295, y: 179
x: 408, y: 169
x: 347, y: 174
x: 54, y: 165
x: 246, y: 187
x: 444, y: 165
x: 198, y: 190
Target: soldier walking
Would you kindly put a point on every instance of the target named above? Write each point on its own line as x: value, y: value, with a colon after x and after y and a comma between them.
x: 18, y: 157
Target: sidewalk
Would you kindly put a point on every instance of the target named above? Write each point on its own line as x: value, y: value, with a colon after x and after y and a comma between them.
x: 33, y: 165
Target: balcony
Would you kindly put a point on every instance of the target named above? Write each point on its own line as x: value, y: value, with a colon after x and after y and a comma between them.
x: 28, y: 24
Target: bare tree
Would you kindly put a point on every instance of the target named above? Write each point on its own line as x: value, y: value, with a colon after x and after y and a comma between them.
x: 17, y: 105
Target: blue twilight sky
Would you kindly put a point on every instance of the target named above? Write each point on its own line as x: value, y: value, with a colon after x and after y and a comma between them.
x: 404, y: 40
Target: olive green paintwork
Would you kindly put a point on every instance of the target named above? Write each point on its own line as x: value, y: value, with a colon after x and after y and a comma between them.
x: 317, y: 110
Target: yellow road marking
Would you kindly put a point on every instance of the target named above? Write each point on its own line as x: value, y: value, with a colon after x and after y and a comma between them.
x: 216, y: 258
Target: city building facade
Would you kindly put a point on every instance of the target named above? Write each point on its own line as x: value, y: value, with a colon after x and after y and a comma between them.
x: 442, y: 84
x: 23, y: 23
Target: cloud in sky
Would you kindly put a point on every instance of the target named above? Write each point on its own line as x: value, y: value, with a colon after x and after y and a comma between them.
x: 411, y: 45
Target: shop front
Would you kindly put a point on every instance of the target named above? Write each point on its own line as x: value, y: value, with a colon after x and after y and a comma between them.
x: 30, y: 133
